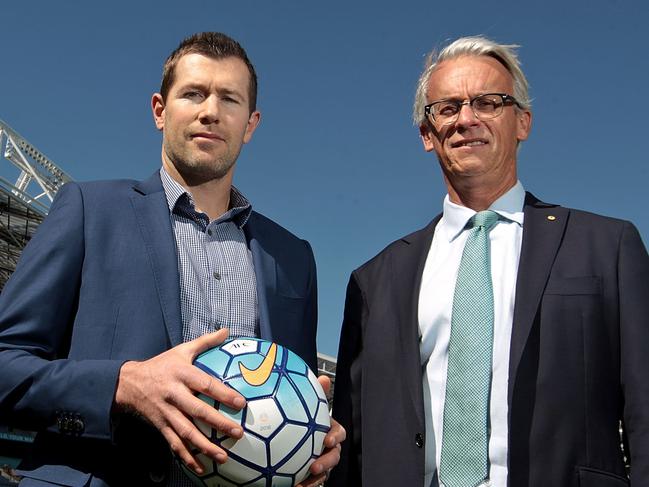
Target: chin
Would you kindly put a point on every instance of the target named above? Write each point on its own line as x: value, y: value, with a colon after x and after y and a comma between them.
x: 467, y: 166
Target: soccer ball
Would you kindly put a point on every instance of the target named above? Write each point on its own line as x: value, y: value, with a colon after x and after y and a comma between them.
x: 284, y: 422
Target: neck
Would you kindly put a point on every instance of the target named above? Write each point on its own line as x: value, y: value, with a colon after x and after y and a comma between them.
x: 478, y: 197
x: 211, y: 197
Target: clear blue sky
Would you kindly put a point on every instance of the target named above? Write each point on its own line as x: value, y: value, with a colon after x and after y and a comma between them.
x: 336, y: 159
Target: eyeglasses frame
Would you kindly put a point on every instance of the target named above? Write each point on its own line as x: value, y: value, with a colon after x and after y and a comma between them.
x: 505, y: 97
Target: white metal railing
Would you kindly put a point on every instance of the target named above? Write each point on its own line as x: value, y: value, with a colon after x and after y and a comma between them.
x: 39, y: 178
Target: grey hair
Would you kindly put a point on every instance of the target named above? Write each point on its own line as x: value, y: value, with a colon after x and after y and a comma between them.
x: 472, y: 46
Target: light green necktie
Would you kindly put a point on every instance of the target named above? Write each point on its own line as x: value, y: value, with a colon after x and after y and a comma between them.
x: 465, y: 440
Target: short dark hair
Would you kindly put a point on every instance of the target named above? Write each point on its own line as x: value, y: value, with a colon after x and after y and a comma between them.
x: 214, y: 45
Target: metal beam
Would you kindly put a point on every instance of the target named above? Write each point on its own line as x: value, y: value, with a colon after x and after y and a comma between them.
x: 38, y: 177
x: 29, y: 181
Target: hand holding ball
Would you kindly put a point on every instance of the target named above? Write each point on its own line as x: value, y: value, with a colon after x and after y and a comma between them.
x: 284, y: 422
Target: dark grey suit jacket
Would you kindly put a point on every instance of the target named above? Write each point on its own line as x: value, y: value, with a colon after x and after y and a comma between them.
x: 579, y: 360
x: 99, y: 285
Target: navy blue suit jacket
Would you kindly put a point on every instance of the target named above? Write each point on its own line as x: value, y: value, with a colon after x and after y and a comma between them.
x: 99, y: 285
x: 578, y: 365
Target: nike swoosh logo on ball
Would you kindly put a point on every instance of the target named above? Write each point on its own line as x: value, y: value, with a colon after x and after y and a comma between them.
x: 258, y: 376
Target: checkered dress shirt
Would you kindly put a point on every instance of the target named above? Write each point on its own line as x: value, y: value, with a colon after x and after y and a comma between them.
x: 217, y: 277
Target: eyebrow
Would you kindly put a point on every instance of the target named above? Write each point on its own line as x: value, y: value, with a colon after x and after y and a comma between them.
x: 228, y: 91
x: 197, y: 85
x: 461, y: 99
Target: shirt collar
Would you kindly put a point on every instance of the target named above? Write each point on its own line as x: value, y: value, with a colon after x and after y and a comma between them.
x: 509, y: 206
x: 181, y: 201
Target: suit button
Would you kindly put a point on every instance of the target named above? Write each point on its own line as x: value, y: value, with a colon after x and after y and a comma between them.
x: 78, y: 426
x: 419, y: 440
x: 70, y: 423
x: 157, y: 477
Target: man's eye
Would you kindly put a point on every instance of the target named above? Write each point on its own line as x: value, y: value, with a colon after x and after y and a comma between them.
x: 488, y: 104
x: 447, y: 109
x: 193, y: 95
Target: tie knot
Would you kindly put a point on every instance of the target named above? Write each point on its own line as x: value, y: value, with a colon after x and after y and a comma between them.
x: 486, y: 219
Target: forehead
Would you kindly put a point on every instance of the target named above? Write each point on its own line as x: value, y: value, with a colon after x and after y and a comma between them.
x: 229, y: 72
x: 467, y: 76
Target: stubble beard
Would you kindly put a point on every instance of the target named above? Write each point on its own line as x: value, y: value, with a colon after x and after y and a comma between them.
x: 198, y: 169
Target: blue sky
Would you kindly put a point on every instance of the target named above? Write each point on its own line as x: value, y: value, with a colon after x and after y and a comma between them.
x: 336, y: 158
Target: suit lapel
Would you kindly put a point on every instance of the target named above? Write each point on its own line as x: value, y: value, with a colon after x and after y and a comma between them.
x: 543, y: 229
x: 265, y: 274
x: 152, y: 214
x: 407, y: 266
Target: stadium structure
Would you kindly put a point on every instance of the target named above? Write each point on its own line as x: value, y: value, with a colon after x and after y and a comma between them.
x: 29, y: 181
x: 327, y: 366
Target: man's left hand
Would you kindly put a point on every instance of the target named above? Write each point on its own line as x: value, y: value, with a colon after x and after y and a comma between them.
x: 331, y: 454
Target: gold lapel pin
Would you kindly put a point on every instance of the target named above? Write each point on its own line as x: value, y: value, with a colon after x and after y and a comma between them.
x: 552, y: 218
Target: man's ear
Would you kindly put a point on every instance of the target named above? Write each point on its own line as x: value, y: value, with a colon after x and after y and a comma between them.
x: 158, y: 109
x: 428, y: 136
x: 253, y: 122
x: 523, y: 125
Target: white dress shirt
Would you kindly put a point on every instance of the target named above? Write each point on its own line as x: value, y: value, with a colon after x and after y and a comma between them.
x: 436, y: 304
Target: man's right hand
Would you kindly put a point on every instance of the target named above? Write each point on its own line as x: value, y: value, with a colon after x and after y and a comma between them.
x: 163, y: 390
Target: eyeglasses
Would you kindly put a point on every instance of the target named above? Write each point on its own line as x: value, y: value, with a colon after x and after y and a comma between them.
x: 484, y: 107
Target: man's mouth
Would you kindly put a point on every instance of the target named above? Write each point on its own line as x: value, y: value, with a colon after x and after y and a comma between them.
x: 469, y: 143
x: 207, y: 135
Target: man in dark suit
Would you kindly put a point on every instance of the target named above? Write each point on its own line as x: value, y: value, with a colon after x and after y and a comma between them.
x: 564, y: 328
x: 126, y: 282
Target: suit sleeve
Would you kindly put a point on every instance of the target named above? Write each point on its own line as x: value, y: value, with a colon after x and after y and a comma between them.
x: 633, y: 277
x: 347, y: 397
x: 38, y: 383
x: 311, y: 312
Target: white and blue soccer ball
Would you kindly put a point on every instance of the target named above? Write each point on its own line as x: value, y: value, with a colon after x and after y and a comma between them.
x: 284, y: 422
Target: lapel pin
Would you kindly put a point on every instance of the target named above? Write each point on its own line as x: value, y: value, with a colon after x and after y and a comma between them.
x: 552, y: 218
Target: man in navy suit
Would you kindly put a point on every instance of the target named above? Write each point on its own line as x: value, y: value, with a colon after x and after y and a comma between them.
x: 126, y: 282
x: 567, y: 314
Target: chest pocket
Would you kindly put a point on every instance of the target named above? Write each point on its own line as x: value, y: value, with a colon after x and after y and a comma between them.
x: 574, y: 286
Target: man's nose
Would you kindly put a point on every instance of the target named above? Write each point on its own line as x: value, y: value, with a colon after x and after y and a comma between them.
x: 466, y: 116
x: 209, y: 110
